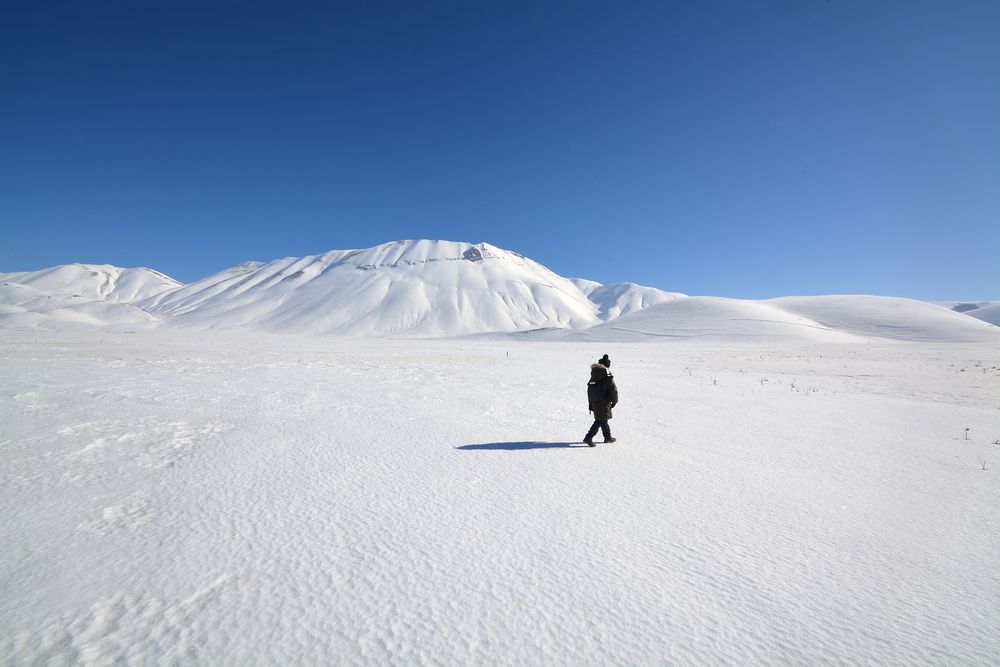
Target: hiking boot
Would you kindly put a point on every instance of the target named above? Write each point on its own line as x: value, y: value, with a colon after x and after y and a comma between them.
x: 589, y: 442
x: 610, y: 439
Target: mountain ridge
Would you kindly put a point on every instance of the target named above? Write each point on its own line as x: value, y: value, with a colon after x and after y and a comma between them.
x: 437, y: 288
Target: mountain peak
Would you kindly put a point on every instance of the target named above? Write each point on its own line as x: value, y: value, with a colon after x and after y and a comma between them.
x: 417, y: 287
x: 438, y: 288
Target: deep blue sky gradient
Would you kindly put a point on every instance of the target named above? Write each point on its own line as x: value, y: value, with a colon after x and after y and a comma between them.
x: 745, y: 149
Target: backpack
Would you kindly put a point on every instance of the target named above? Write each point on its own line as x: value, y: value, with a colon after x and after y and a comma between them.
x: 597, y: 389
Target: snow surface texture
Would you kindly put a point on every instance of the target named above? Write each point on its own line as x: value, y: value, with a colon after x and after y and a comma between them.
x: 179, y: 497
x: 446, y: 289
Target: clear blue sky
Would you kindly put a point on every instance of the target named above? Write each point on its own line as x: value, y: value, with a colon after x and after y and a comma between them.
x: 745, y: 149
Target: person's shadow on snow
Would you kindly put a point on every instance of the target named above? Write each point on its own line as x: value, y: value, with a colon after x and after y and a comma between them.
x: 517, y: 446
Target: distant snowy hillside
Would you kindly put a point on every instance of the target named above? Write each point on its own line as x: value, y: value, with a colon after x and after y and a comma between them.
x: 619, y: 299
x: 790, y: 319
x: 707, y: 319
x: 989, y: 314
x: 987, y: 311
x: 78, y: 294
x: 888, y: 317
x: 94, y: 282
x: 426, y: 288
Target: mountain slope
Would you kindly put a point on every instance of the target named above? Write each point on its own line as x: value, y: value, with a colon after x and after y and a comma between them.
x: 78, y: 294
x: 987, y: 311
x: 711, y: 319
x: 619, y: 299
x: 94, y: 282
x: 427, y: 288
x: 830, y: 319
x: 990, y: 314
x: 889, y: 317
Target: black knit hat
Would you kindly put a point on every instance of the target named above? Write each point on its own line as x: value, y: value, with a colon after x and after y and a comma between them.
x: 604, y: 361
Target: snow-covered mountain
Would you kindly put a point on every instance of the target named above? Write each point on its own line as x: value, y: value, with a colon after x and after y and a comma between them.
x: 619, y: 299
x: 75, y: 294
x: 427, y: 288
x: 94, y: 282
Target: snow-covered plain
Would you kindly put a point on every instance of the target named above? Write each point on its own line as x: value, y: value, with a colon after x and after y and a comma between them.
x: 225, y: 498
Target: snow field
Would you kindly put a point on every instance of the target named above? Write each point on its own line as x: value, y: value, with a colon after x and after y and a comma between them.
x: 249, y: 499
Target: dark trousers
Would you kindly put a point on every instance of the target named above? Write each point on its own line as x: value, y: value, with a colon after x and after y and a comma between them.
x: 599, y: 424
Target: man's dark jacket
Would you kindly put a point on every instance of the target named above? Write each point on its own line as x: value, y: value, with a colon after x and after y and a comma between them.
x: 602, y: 408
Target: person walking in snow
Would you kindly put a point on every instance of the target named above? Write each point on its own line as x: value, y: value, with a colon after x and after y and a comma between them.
x: 602, y: 394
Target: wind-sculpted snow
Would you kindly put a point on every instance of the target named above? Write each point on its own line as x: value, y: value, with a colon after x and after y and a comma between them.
x: 242, y: 499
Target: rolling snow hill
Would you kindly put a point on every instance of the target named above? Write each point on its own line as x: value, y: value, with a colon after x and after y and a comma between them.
x: 987, y: 311
x: 888, y: 317
x: 829, y: 319
x: 990, y: 314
